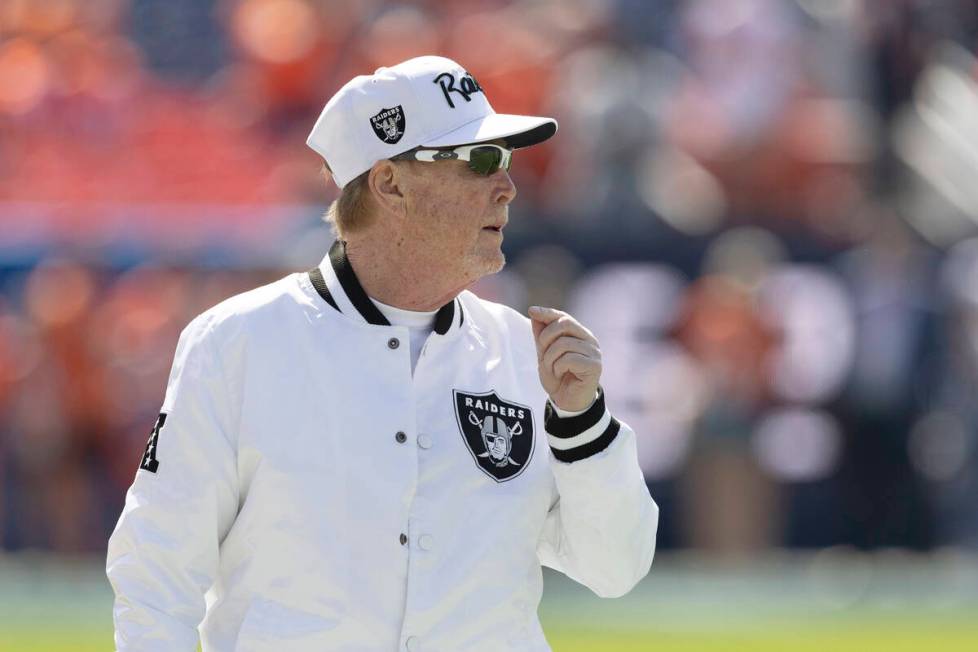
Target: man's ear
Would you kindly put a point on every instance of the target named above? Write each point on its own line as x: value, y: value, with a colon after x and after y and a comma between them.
x: 386, y: 186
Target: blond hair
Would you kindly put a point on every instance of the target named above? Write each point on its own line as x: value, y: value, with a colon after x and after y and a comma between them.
x: 351, y: 211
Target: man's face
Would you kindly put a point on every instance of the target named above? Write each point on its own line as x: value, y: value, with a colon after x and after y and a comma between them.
x: 497, y: 446
x: 455, y: 218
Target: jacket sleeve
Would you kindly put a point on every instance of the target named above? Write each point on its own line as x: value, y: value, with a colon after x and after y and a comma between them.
x: 163, y: 554
x: 601, y: 530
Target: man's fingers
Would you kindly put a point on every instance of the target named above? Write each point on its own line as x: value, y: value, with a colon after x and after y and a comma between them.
x: 569, y: 357
x: 545, y: 315
x: 565, y: 345
x: 576, y: 364
x: 565, y: 325
x: 540, y: 317
x: 538, y: 327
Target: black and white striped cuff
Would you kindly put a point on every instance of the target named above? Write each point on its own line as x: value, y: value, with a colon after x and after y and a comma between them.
x: 581, y: 436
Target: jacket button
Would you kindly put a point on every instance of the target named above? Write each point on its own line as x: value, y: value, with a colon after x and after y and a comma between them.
x: 393, y: 343
x: 400, y: 437
x: 424, y: 441
x: 426, y: 542
x: 412, y: 644
x: 403, y: 538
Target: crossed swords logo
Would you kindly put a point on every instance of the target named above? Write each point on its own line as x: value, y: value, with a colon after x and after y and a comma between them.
x: 497, y: 437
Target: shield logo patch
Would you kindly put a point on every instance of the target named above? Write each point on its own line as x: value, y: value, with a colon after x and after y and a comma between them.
x: 498, y: 433
x: 389, y: 124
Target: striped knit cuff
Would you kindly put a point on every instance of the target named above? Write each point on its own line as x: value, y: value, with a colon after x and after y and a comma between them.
x: 579, y: 437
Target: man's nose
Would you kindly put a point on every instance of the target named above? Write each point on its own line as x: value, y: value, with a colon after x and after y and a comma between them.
x: 505, y: 190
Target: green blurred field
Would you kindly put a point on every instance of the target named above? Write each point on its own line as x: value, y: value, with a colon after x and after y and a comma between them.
x: 868, y: 637
x: 826, y: 602
x: 891, y: 636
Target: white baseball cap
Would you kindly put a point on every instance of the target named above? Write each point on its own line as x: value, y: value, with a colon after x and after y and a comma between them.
x: 423, y: 102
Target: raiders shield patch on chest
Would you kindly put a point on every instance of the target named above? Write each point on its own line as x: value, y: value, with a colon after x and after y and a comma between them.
x: 498, y: 433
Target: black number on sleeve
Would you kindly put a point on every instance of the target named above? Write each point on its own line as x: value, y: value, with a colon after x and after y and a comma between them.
x: 149, y: 462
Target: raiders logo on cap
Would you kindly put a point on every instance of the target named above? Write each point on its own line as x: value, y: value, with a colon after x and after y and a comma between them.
x: 498, y: 433
x: 389, y: 124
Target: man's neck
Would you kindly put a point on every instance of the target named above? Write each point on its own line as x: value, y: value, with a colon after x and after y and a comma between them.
x: 392, y: 275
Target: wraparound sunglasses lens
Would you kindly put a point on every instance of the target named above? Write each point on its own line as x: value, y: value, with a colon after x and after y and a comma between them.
x: 486, y: 160
x: 482, y: 159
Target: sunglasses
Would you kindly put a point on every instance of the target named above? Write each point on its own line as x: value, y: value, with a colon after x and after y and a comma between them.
x: 483, y: 158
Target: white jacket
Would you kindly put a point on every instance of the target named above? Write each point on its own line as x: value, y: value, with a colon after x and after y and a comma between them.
x: 302, y: 491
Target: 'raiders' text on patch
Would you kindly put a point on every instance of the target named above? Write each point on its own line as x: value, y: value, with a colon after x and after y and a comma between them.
x: 389, y: 124
x: 498, y: 433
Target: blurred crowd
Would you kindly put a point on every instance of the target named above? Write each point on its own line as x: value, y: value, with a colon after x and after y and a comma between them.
x: 765, y: 210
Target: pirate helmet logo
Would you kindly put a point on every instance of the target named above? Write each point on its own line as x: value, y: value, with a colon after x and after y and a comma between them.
x: 498, y: 433
x: 389, y: 124
x: 497, y: 438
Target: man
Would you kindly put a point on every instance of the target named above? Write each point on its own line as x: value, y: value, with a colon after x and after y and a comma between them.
x: 368, y: 457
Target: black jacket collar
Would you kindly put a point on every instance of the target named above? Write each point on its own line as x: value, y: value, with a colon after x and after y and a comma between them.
x: 351, y: 287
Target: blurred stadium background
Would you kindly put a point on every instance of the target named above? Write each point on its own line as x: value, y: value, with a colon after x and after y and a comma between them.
x: 767, y: 210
